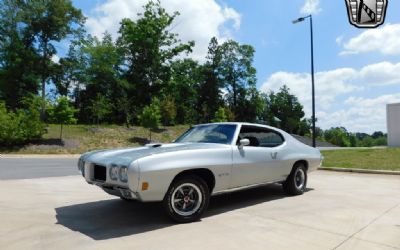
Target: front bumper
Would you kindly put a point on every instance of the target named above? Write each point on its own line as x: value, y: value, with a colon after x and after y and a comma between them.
x: 120, y: 192
x: 126, y: 190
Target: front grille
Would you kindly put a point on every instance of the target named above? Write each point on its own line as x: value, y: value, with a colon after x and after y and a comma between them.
x: 100, y: 173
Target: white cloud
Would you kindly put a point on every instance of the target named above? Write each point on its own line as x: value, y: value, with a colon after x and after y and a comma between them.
x: 55, y: 58
x: 310, y: 7
x: 384, y: 73
x: 362, y: 115
x: 198, y: 20
x: 329, y: 85
x: 384, y: 40
x: 356, y: 114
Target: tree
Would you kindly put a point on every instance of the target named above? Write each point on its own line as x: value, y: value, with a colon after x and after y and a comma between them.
x: 103, y: 77
x: 100, y: 107
x: 377, y: 134
x: 377, y: 138
x: 352, y: 140
x: 367, y: 142
x: 123, y: 104
x: 337, y: 136
x: 380, y: 141
x: 285, y: 107
x: 149, y: 47
x: 220, y: 115
x: 209, y: 85
x: 62, y: 113
x: 151, y: 116
x: 304, y: 127
x: 237, y: 73
x: 70, y: 73
x: 183, y: 88
x: 18, y: 56
x: 250, y: 105
x: 361, y: 136
x: 50, y: 21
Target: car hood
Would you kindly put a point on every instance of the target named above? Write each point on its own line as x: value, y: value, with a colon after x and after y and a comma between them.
x: 124, y: 156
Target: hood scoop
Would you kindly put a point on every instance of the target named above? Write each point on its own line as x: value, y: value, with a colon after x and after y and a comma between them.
x: 153, y: 145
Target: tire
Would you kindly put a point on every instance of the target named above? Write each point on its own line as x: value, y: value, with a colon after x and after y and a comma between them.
x: 296, y: 182
x: 187, y: 199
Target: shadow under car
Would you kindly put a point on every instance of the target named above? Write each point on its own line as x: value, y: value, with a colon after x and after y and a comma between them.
x: 115, y: 218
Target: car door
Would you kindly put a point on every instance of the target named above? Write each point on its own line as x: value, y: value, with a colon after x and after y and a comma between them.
x: 259, y: 162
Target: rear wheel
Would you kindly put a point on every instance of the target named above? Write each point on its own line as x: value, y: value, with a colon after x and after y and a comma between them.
x: 187, y: 199
x: 296, y: 182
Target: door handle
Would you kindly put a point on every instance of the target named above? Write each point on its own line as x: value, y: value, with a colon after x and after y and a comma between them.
x: 274, y: 155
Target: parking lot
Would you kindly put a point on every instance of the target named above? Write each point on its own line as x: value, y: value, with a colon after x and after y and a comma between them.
x: 339, y: 211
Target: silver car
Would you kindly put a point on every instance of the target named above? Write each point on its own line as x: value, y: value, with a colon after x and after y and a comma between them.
x: 206, y: 160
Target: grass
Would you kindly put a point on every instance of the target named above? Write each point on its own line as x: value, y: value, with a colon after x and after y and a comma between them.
x: 82, y: 138
x: 378, y: 159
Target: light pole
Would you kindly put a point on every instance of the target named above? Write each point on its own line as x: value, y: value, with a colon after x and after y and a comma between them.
x: 301, y: 19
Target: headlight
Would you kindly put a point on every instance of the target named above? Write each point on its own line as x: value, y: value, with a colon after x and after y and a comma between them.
x: 123, y: 174
x: 114, y: 172
x: 81, y: 166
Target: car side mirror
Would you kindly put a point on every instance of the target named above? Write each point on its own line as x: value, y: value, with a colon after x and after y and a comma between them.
x: 244, y: 142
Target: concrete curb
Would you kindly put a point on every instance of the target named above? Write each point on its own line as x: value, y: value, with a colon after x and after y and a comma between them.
x: 349, y: 148
x: 362, y: 171
x: 48, y: 156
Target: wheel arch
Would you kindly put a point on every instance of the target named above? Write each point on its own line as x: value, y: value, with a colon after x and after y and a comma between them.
x: 206, y: 174
x: 302, y: 161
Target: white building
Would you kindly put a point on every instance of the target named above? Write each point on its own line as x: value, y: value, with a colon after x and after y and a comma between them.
x: 393, y: 124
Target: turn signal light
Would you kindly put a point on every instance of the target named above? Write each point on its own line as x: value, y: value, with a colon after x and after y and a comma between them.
x: 145, y: 186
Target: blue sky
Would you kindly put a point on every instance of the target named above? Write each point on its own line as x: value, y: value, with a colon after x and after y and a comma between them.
x: 357, y: 70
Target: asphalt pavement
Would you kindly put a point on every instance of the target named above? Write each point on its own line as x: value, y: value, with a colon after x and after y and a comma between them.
x: 12, y: 168
x: 338, y: 211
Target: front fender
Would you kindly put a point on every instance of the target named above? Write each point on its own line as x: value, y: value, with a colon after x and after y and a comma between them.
x: 160, y: 170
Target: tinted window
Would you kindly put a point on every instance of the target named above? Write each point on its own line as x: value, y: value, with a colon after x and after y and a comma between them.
x: 261, y: 137
x: 213, y: 133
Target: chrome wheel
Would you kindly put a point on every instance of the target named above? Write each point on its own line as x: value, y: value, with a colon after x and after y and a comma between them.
x: 186, y: 199
x: 299, y: 178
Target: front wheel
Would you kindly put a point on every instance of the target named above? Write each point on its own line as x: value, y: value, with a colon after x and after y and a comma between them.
x: 187, y: 199
x: 296, y: 182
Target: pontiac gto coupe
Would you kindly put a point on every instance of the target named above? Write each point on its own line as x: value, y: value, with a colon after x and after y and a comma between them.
x: 206, y: 160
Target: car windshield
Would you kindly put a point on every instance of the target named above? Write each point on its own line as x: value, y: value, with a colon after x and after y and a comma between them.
x: 213, y: 133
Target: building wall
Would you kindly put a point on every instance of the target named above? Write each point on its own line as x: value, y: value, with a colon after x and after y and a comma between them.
x: 393, y: 124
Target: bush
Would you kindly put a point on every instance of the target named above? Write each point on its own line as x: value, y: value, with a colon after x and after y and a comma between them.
x: 20, y: 126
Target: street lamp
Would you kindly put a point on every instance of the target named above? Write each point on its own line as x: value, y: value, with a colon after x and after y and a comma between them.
x: 301, y: 19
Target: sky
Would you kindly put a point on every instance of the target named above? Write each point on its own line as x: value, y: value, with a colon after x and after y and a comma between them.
x: 357, y: 71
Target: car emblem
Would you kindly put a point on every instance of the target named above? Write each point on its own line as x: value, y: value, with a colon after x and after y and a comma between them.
x: 366, y: 13
x: 274, y: 155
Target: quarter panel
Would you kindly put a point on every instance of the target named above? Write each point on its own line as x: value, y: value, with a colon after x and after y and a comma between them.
x: 296, y: 151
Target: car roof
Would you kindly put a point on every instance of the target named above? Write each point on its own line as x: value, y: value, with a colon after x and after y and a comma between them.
x: 242, y: 123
